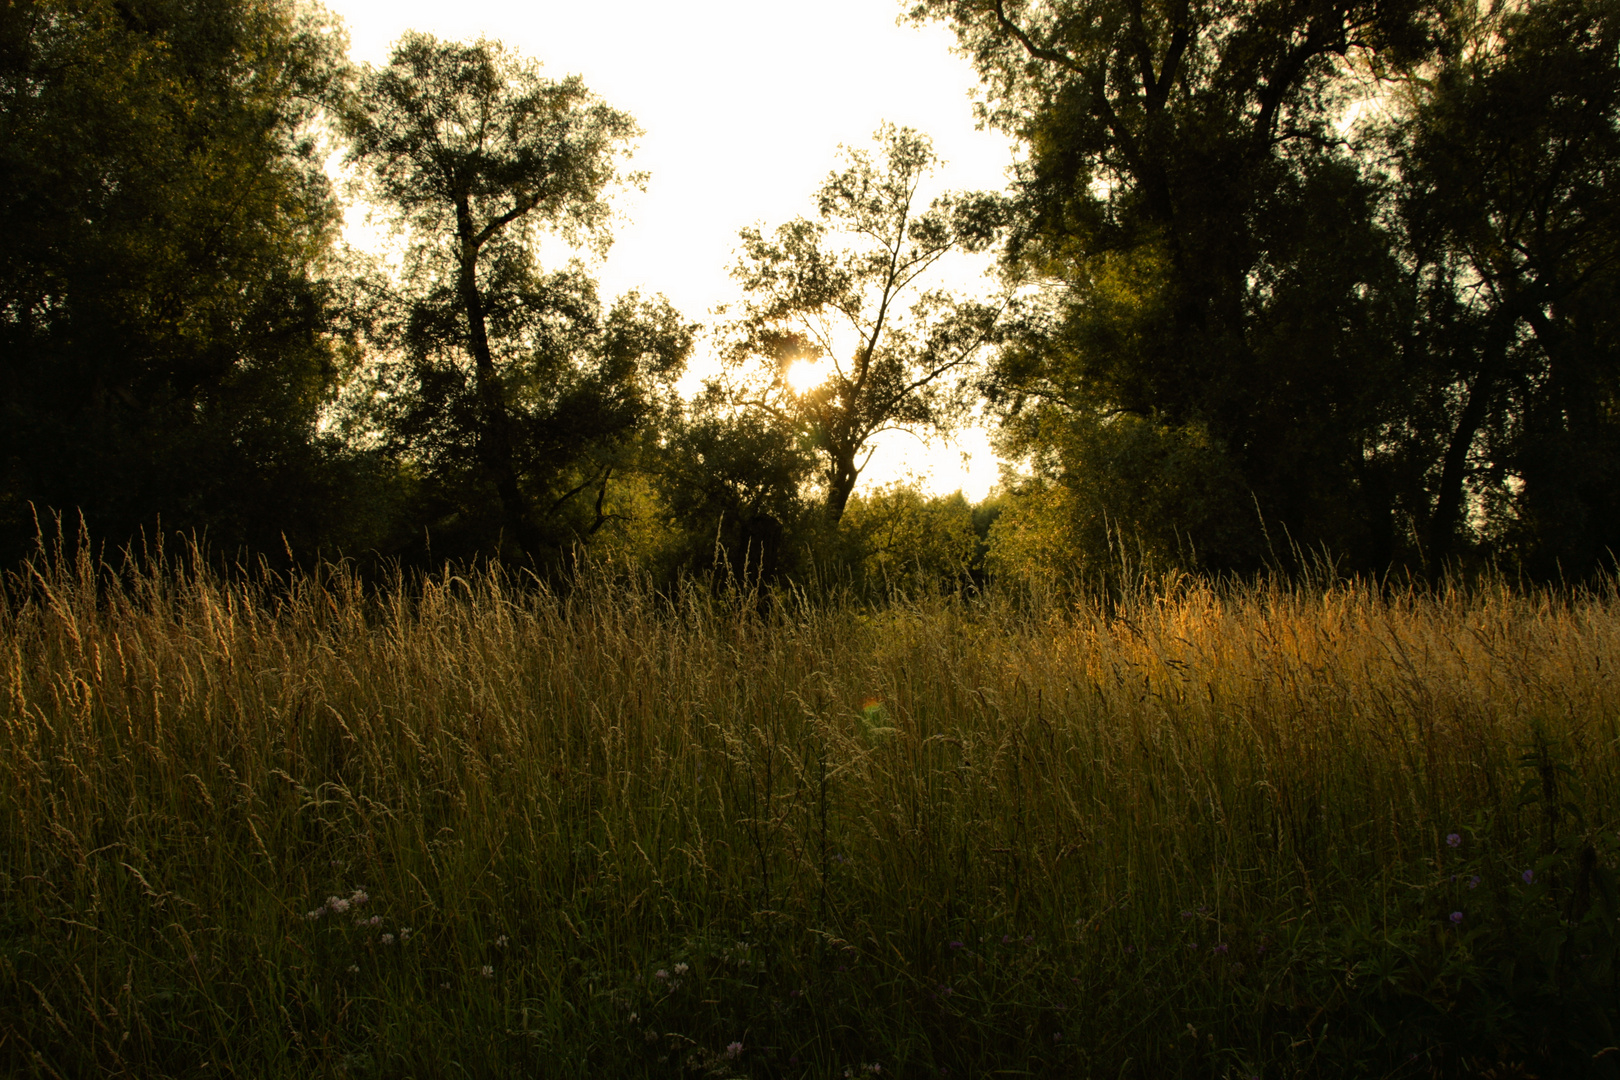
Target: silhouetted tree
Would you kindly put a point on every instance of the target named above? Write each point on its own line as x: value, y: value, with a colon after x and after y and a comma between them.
x: 164, y: 305
x: 832, y: 288
x: 1508, y: 156
x: 506, y: 377
x: 1216, y: 265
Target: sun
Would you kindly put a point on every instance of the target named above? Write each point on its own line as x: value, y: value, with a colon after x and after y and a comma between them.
x: 806, y: 375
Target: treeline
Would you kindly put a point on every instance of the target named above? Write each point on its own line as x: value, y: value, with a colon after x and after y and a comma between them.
x: 1281, y: 280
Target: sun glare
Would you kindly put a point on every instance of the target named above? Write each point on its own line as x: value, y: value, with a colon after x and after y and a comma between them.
x: 806, y: 375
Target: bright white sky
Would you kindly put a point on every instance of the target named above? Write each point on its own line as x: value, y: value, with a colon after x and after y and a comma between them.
x: 743, y: 104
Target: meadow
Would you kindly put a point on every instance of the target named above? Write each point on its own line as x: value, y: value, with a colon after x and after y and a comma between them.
x: 471, y: 825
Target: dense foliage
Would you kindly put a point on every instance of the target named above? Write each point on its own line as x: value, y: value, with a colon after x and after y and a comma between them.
x: 1283, y: 280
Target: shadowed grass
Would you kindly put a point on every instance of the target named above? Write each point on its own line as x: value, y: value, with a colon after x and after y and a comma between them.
x: 468, y: 826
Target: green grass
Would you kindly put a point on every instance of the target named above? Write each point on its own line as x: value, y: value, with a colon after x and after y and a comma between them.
x: 1203, y: 833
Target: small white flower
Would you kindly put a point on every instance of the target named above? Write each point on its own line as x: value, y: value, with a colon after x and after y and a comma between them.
x: 500, y: 942
x: 337, y: 904
x: 387, y: 939
x: 404, y: 934
x: 487, y: 971
x: 317, y: 913
x: 660, y: 974
x: 734, y: 1049
x: 681, y: 969
x: 354, y: 969
x: 359, y: 897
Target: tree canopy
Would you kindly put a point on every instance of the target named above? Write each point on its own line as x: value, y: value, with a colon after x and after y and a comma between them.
x: 1280, y: 280
x: 168, y: 328
x: 837, y: 288
x: 507, y: 376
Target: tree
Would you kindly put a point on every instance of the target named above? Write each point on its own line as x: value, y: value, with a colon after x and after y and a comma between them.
x: 504, y: 374
x: 732, y: 481
x: 805, y: 298
x: 1218, y: 265
x: 1508, y: 155
x: 165, y: 285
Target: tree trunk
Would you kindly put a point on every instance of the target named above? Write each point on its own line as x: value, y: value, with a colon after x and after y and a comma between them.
x: 1448, y: 503
x: 495, y: 442
x: 841, y: 478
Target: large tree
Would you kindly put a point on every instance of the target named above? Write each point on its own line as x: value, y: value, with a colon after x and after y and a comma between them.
x: 1220, y: 275
x: 503, y: 375
x: 851, y: 288
x: 1508, y: 156
x: 167, y: 223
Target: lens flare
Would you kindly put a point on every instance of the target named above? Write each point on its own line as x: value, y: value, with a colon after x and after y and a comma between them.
x: 806, y: 375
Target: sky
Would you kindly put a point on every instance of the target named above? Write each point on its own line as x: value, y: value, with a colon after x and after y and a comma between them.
x: 743, y: 104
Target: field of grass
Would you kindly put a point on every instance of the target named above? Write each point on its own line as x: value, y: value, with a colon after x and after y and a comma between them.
x: 469, y: 826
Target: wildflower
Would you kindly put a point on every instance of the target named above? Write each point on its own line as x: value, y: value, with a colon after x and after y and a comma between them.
x: 1057, y: 1036
x: 387, y: 939
x: 354, y: 969
x: 1187, y: 914
x: 337, y: 904
x: 1473, y: 882
x: 1454, y: 839
x: 487, y: 971
x: 874, y: 1068
x: 374, y: 920
x: 404, y: 934
x: 1456, y: 918
x: 1221, y: 948
x: 956, y: 944
x: 500, y: 942
x: 317, y: 913
x: 359, y: 897
x: 1006, y: 938
x: 680, y: 969
x: 660, y: 974
x: 1529, y: 876
x: 733, y: 1049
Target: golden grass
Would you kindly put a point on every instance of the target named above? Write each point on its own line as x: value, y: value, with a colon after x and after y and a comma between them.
x: 607, y: 781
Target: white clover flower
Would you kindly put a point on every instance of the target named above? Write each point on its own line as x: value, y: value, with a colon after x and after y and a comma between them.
x: 734, y: 1049
x: 487, y: 971
x: 337, y: 904
x: 387, y: 939
x: 681, y: 969
x: 313, y: 915
x: 660, y: 974
x: 354, y: 969
x: 359, y: 897
x: 500, y: 942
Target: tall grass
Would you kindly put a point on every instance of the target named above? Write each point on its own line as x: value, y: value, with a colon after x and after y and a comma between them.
x: 470, y: 826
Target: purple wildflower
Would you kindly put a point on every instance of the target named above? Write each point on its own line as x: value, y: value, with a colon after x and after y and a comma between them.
x: 1454, y: 839
x: 1529, y: 876
x: 1456, y: 918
